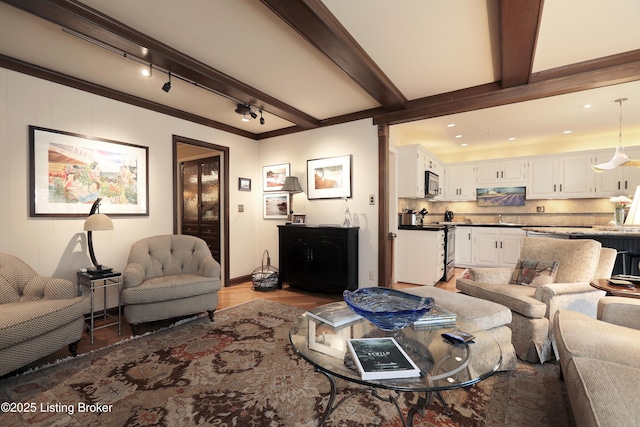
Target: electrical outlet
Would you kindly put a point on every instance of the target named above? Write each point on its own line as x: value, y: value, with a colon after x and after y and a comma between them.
x: 372, y: 199
x: 240, y: 208
x: 540, y: 208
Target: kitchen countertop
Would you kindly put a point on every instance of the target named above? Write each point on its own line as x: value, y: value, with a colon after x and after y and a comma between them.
x: 587, y: 231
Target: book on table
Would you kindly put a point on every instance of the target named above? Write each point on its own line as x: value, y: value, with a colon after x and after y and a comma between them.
x: 335, y: 314
x: 437, y: 316
x: 381, y: 358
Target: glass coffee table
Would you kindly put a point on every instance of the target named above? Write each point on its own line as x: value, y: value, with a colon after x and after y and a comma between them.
x: 444, y: 366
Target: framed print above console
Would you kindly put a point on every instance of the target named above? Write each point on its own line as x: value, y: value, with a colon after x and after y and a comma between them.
x: 329, y: 178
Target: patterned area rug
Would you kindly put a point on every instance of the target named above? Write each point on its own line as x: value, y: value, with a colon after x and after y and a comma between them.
x: 241, y: 371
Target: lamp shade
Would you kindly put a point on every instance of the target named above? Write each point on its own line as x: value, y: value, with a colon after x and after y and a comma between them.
x: 619, y: 159
x: 98, y: 222
x: 292, y: 185
x: 633, y: 218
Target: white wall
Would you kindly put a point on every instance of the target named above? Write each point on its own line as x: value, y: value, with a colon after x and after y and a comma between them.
x: 57, y: 246
x: 359, y: 139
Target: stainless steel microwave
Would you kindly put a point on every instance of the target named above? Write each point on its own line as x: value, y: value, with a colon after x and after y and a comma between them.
x: 431, y: 184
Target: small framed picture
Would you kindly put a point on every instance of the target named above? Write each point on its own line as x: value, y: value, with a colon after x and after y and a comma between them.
x: 273, y: 176
x: 276, y: 206
x: 299, y: 218
x: 244, y: 184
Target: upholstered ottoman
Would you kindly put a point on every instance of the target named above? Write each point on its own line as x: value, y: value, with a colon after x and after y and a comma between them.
x: 484, y: 315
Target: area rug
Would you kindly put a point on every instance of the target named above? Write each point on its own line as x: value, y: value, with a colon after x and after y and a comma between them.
x: 241, y: 371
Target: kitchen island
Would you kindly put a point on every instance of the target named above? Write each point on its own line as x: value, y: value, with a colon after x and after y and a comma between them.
x: 625, y: 241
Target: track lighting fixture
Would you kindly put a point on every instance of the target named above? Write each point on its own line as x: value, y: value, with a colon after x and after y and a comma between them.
x: 167, y: 86
x: 248, y: 112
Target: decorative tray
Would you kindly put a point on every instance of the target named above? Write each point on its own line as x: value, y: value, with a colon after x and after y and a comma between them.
x: 388, y: 309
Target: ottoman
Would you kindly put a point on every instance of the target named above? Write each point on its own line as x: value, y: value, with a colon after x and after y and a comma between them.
x: 484, y: 315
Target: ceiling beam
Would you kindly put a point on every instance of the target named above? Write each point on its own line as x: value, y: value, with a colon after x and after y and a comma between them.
x: 519, y: 26
x: 313, y: 21
x: 570, y: 79
x: 78, y: 17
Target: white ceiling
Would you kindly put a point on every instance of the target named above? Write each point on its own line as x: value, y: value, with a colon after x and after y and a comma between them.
x: 425, y: 47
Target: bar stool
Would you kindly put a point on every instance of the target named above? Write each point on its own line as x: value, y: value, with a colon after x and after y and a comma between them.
x: 634, y: 258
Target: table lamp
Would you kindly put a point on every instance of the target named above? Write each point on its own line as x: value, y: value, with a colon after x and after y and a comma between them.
x: 96, y: 222
x: 633, y: 217
x: 291, y: 185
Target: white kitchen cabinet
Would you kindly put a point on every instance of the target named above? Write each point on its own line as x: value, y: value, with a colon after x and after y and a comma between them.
x: 509, y: 173
x: 420, y: 256
x: 464, y: 246
x: 565, y: 176
x: 412, y: 163
x: 496, y: 246
x: 619, y: 181
x: 460, y: 182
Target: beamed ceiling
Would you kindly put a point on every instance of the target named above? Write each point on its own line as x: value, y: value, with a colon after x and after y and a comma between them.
x: 498, y: 69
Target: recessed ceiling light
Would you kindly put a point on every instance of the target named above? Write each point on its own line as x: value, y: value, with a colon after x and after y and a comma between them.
x: 458, y: 136
x: 450, y: 125
x: 463, y: 145
x: 512, y: 139
x: 586, y: 106
x: 567, y: 131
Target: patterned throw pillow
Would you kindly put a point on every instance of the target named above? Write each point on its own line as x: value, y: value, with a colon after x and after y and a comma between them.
x: 531, y: 273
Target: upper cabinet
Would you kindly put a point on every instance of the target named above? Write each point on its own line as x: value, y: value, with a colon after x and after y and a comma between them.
x: 460, y: 182
x: 621, y: 181
x: 413, y: 162
x: 563, y: 176
x: 508, y: 173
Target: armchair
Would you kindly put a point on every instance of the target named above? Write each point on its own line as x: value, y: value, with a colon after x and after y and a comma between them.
x: 38, y: 315
x: 533, y: 306
x: 169, y: 276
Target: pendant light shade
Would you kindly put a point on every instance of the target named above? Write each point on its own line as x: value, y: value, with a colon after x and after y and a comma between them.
x: 620, y: 157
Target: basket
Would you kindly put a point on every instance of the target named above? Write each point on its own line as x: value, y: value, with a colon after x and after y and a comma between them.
x: 265, y: 277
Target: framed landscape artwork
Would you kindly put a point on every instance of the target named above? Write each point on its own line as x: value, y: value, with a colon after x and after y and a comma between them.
x: 273, y: 176
x: 275, y: 206
x: 68, y: 172
x: 329, y: 178
x: 502, y: 196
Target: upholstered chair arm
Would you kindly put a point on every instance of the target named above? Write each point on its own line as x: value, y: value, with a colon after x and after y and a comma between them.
x: 55, y: 288
x: 133, y: 275
x: 579, y: 296
x: 495, y: 275
x: 209, y: 267
x: 621, y: 311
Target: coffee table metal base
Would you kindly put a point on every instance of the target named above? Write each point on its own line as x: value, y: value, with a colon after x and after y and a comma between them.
x: 422, y: 403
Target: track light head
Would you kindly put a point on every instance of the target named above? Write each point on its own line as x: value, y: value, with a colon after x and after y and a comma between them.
x: 243, y: 109
x: 253, y: 115
x: 261, y: 118
x: 167, y: 86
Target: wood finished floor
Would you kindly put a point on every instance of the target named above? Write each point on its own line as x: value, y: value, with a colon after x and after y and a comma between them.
x: 227, y: 297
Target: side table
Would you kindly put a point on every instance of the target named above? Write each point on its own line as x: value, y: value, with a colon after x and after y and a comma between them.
x: 102, y: 281
x: 617, y: 291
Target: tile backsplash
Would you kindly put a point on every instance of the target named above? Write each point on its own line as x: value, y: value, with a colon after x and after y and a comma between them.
x: 558, y: 212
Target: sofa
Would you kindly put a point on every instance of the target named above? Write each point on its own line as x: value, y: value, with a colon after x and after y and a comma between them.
x: 38, y: 315
x: 483, y: 315
x: 563, y: 283
x: 169, y: 276
x: 600, y: 362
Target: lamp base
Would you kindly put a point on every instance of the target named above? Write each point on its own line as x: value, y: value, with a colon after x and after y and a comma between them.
x: 99, y: 271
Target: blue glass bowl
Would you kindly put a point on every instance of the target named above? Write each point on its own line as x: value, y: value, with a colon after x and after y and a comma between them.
x: 388, y: 309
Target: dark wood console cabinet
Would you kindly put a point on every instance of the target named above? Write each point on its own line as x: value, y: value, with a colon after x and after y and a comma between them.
x: 317, y: 258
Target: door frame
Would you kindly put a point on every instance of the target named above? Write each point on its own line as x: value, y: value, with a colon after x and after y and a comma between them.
x: 224, y: 172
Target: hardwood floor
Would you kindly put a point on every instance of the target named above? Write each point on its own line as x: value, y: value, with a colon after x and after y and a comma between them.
x: 227, y: 297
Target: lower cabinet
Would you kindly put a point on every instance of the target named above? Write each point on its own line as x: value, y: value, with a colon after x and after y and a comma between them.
x: 319, y: 259
x: 420, y: 256
x: 497, y: 247
x: 488, y: 246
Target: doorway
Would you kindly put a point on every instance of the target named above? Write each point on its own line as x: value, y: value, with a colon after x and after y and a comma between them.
x: 188, y: 151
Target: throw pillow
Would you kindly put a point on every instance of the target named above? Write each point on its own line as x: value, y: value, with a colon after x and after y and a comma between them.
x: 527, y: 273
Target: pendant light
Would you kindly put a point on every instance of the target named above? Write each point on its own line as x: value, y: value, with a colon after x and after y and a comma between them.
x: 620, y: 157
